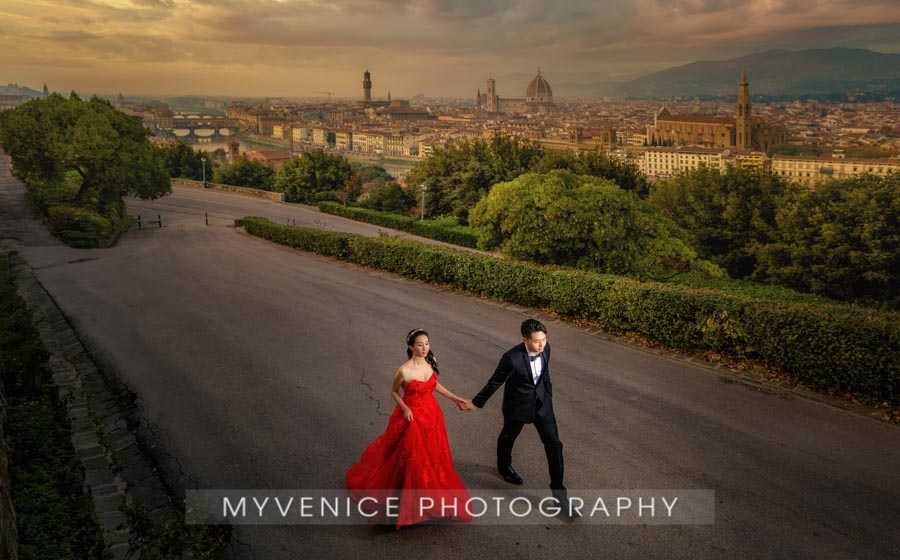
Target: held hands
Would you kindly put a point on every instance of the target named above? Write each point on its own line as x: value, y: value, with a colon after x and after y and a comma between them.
x: 464, y: 405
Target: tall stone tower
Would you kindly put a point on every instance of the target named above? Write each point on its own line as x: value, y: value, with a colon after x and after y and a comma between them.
x: 367, y: 86
x: 491, y: 96
x: 743, y: 121
x: 234, y: 152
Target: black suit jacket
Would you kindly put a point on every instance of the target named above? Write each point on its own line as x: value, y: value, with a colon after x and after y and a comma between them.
x: 523, y: 399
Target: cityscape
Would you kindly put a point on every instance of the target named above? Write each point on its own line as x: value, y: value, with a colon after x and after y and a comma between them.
x: 661, y: 136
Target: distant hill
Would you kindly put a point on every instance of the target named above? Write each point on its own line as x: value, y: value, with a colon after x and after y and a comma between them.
x: 776, y: 72
x: 16, y: 89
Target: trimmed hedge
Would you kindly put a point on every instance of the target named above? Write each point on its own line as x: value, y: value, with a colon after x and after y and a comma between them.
x: 832, y: 348
x: 80, y: 227
x: 457, y: 235
x: 749, y: 288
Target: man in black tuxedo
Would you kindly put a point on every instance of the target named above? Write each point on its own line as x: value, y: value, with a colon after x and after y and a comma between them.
x: 527, y: 399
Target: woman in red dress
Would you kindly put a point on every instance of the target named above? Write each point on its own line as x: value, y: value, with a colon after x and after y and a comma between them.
x: 406, y: 476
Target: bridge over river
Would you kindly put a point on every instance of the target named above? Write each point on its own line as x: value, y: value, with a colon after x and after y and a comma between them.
x: 198, y: 127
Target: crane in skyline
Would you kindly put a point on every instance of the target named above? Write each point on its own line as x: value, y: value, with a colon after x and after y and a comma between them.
x: 328, y: 93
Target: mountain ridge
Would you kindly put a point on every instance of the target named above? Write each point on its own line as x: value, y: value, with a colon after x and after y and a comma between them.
x: 776, y: 72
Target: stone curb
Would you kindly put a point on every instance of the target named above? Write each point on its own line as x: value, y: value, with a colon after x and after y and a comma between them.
x: 116, y: 472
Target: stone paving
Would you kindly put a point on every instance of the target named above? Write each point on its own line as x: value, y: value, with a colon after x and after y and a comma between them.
x: 20, y: 225
x: 116, y: 470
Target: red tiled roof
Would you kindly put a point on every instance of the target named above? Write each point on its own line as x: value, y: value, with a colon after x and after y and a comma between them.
x: 269, y: 155
x: 697, y: 119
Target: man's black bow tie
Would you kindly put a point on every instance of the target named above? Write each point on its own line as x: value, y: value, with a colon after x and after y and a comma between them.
x: 535, y: 357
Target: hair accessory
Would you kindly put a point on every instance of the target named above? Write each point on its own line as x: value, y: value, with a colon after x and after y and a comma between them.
x: 414, y: 331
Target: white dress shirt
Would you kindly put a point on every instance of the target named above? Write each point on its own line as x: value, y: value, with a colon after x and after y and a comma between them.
x: 537, y: 366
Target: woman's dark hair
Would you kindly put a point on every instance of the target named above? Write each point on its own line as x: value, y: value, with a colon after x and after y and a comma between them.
x: 411, y: 339
x: 531, y: 326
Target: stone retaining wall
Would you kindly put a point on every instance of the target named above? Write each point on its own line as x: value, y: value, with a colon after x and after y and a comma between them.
x: 278, y: 197
x: 116, y: 471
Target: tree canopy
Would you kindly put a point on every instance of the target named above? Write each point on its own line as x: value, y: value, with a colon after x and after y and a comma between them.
x: 317, y: 176
x: 181, y: 160
x: 584, y: 222
x: 313, y: 177
x: 110, y: 151
x: 459, y: 175
x: 725, y: 215
x: 598, y: 164
x: 372, y: 173
x: 388, y: 198
x: 244, y: 172
x: 841, y: 240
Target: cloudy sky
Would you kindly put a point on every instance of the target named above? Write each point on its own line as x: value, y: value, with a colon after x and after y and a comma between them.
x: 295, y: 48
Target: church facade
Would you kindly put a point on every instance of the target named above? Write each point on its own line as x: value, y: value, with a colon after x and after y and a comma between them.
x: 538, y: 98
x: 742, y: 132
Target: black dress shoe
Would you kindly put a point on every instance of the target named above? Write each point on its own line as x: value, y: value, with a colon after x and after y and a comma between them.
x: 510, y: 475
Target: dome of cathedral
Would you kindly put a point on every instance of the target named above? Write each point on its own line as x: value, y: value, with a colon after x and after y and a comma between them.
x: 538, y: 89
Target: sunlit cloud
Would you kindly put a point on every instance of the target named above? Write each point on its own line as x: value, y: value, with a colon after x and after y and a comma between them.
x: 436, y: 47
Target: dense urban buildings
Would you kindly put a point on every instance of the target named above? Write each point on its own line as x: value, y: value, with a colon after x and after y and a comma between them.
x: 684, y: 135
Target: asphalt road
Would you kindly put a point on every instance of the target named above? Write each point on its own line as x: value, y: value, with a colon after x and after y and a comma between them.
x: 263, y: 367
x: 190, y: 206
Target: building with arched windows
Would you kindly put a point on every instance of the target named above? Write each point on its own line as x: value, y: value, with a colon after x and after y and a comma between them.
x: 538, y: 98
x: 742, y: 132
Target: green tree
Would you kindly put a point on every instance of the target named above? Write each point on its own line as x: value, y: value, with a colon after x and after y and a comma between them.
x: 218, y: 156
x: 182, y: 161
x: 458, y: 176
x: 389, y: 198
x: 841, y: 240
x: 598, y: 164
x: 725, y: 215
x: 584, y: 222
x: 351, y: 190
x: 317, y: 176
x: 244, y: 172
x: 33, y: 134
x: 110, y: 151
x: 370, y: 173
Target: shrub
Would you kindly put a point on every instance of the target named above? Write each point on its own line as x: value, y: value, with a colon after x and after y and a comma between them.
x: 582, y: 221
x: 444, y: 229
x: 81, y: 228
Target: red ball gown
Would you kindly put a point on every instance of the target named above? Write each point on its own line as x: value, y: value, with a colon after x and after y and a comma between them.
x: 411, y: 463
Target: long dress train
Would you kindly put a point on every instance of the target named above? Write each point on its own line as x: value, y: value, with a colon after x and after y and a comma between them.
x: 410, y: 463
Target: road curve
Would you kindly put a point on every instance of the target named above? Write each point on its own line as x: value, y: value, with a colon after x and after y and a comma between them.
x: 263, y: 367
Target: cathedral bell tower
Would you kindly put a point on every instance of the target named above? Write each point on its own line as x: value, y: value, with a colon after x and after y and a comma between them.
x: 743, y: 120
x: 491, y: 96
x: 234, y: 151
